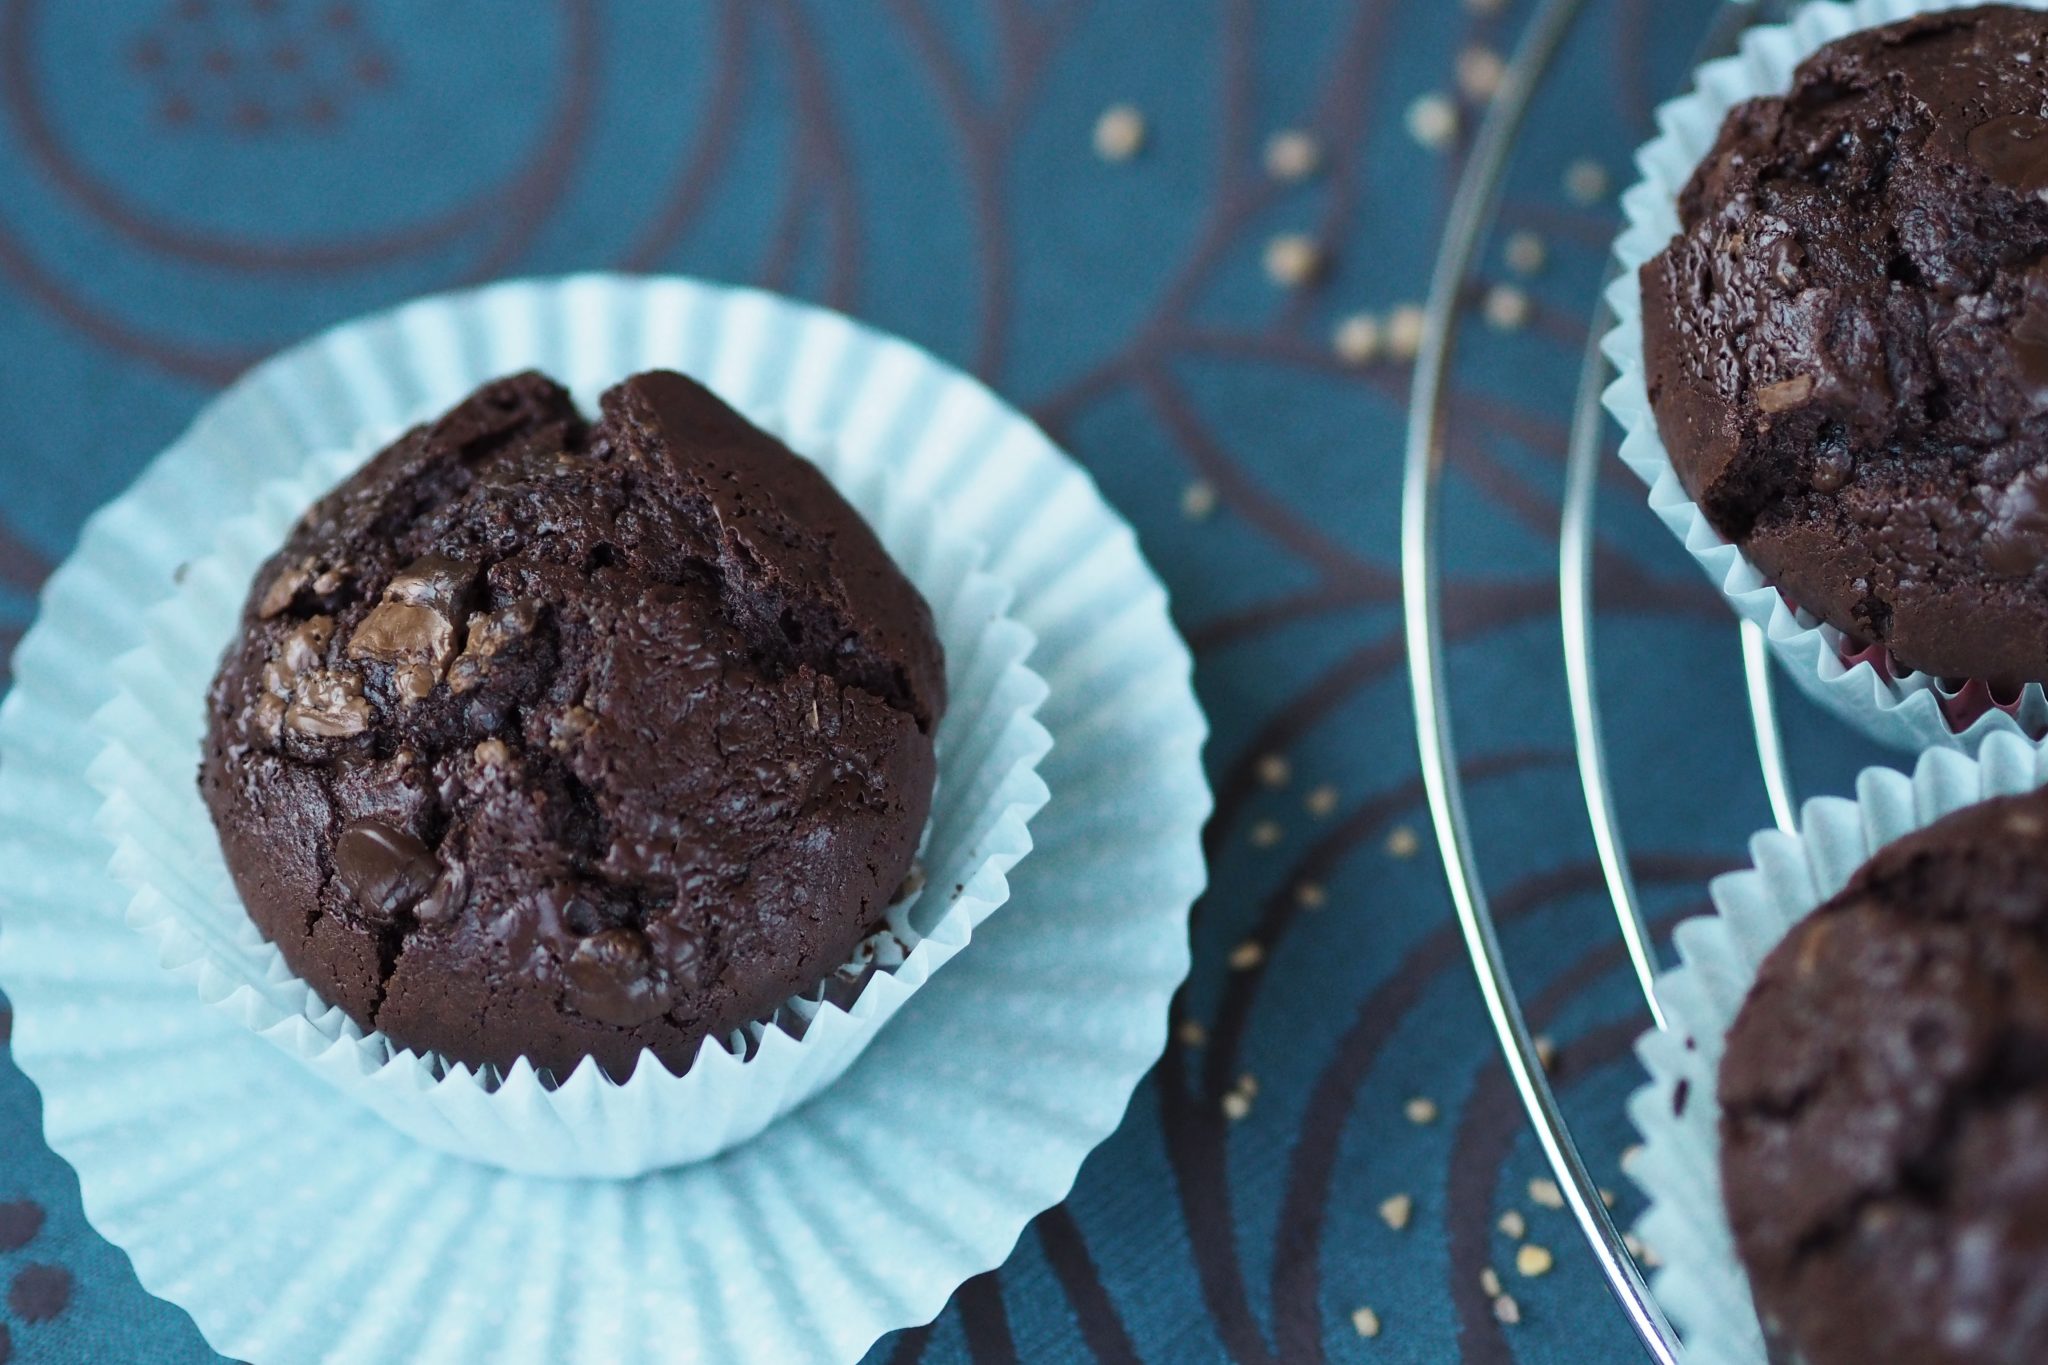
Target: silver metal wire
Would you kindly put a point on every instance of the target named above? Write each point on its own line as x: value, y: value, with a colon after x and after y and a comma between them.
x: 1471, y: 212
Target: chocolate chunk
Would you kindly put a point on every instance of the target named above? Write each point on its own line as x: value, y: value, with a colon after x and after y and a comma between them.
x: 399, y: 632
x: 2013, y: 150
x: 328, y: 705
x: 435, y: 581
x: 387, y: 870
x: 491, y: 633
x: 1786, y: 394
x: 612, y: 979
x: 284, y: 590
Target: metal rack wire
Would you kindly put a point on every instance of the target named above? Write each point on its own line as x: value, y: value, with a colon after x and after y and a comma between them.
x: 1472, y: 212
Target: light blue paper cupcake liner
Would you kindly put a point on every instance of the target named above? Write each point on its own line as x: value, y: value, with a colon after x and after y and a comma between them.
x: 1904, y: 710
x: 295, y: 1225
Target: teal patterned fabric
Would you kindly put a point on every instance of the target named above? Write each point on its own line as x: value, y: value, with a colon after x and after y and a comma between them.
x: 186, y: 185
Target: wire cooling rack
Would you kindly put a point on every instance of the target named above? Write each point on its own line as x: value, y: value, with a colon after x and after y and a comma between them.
x: 1473, y: 213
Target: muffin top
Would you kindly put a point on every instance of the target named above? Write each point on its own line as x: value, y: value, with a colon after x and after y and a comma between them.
x: 1847, y: 343
x: 558, y: 739
x: 1884, y: 1104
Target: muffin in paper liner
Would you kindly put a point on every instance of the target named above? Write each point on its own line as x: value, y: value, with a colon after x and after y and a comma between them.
x: 292, y: 1223
x: 1862, y: 685
x: 1702, y: 1284
x: 585, y: 1123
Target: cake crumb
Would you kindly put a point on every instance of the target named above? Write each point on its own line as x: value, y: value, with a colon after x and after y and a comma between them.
x: 1402, y: 842
x: 1507, y: 308
x: 1544, y: 1192
x: 1294, y: 259
x: 1630, y: 1155
x: 1322, y: 801
x: 1546, y: 1052
x: 1513, y: 1225
x: 1356, y: 339
x: 1198, y: 500
x: 1525, y: 253
x: 1311, y: 896
x: 1507, y: 1310
x: 1236, y: 1105
x: 1192, y: 1034
x: 1489, y: 1282
x: 1274, y: 770
x: 1532, y: 1260
x: 1293, y: 155
x: 1365, y: 1322
x: 1585, y: 181
x: 1247, y: 955
x: 1480, y: 72
x: 1405, y: 327
x: 1421, y: 1110
x: 1433, y: 121
x: 1267, y: 833
x: 1396, y: 1210
x: 1119, y: 133
x: 1607, y: 1198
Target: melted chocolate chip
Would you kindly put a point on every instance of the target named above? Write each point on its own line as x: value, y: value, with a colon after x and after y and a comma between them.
x: 612, y: 979
x: 2016, y: 542
x: 328, y: 705
x: 387, y: 870
x: 2013, y: 150
x: 434, y: 581
x: 402, y: 633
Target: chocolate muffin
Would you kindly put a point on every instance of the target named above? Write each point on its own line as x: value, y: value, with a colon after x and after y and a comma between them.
x: 1884, y: 1097
x: 553, y: 739
x: 1847, y: 344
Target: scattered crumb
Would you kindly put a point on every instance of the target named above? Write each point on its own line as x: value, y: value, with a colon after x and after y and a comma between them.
x: 1507, y: 308
x: 1607, y: 1198
x: 1489, y: 1282
x: 1248, y: 1084
x: 1544, y: 1191
x: 1236, y: 1105
x: 1526, y: 254
x: 1247, y: 955
x: 1321, y: 801
x: 1365, y: 1322
x: 1311, y: 896
x: 1585, y: 180
x: 1433, y: 121
x: 1119, y: 133
x: 1420, y: 1110
x: 1266, y: 833
x: 1405, y: 326
x: 1480, y: 71
x: 1645, y: 1255
x: 1356, y: 339
x: 1630, y: 1155
x: 1546, y: 1052
x: 1192, y: 1034
x: 1293, y: 155
x: 1274, y: 770
x: 1198, y: 500
x: 1512, y: 1224
x: 1396, y: 1210
x: 1293, y: 259
x: 1507, y: 1310
x: 1533, y: 1260
x: 1402, y: 842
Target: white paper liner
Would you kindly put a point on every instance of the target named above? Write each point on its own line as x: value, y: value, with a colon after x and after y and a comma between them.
x: 1701, y: 1284
x: 1903, y: 710
x: 294, y: 1225
x: 165, y: 849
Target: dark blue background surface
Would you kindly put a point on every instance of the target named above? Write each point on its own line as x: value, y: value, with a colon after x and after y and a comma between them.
x: 186, y: 185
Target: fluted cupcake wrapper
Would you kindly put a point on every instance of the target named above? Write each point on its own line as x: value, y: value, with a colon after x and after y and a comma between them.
x: 291, y: 1221
x: 1890, y: 703
x: 1701, y: 1283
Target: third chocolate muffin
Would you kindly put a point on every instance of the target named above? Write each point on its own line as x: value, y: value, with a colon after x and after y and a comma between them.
x: 1847, y: 344
x: 1884, y: 1106
x: 557, y: 739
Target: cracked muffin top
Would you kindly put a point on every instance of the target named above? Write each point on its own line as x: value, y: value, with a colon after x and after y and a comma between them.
x: 1847, y: 343
x: 560, y: 739
x: 1884, y: 1106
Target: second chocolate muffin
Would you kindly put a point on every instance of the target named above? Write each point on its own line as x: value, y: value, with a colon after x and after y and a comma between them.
x: 562, y: 740
x: 1847, y: 344
x: 1884, y: 1106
